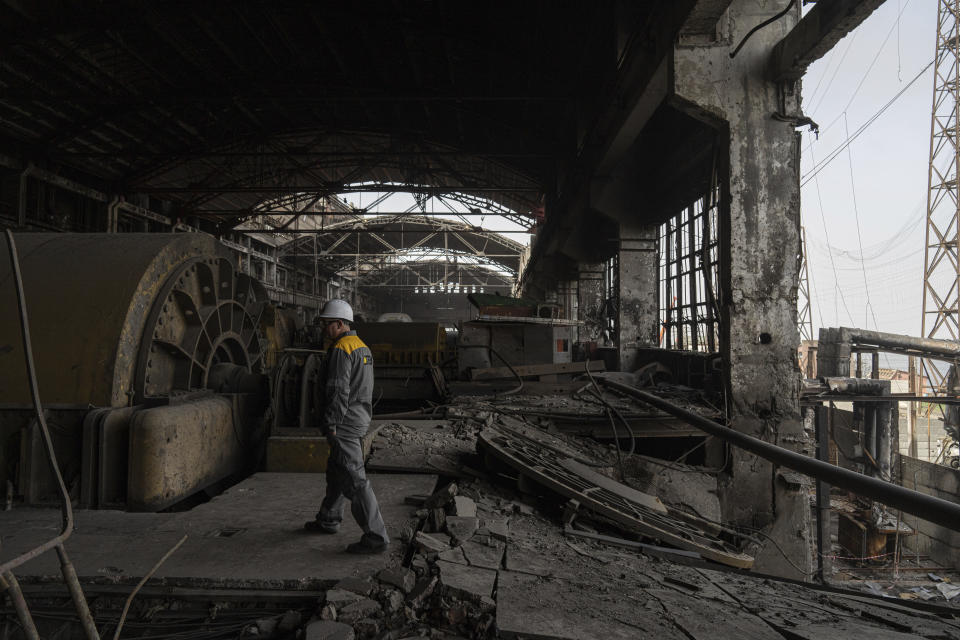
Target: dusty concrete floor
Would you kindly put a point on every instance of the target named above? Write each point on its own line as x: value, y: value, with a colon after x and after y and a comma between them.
x: 496, y: 564
x: 250, y: 536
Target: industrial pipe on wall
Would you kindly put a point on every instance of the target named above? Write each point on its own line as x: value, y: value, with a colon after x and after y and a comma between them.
x: 929, y: 508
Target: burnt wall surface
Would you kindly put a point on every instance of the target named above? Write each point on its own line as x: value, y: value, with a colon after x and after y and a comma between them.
x: 760, y: 242
x: 940, y: 543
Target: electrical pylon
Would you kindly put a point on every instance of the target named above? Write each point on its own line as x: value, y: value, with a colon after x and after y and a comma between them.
x: 804, y: 313
x: 941, y: 271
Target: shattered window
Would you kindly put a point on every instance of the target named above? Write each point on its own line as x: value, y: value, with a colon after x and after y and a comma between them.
x: 688, y: 257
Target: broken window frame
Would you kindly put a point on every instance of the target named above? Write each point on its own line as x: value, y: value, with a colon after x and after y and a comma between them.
x: 611, y: 298
x: 688, y: 259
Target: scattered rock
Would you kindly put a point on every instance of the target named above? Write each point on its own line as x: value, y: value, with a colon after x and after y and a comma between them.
x: 399, y: 577
x: 363, y: 608
x: 470, y: 583
x: 266, y: 626
x: 368, y: 627
x: 326, y: 630
x: 356, y: 584
x: 453, y: 555
x: 423, y: 590
x: 442, y: 497
x: 436, y: 520
x: 419, y: 564
x: 289, y: 621
x: 328, y: 612
x: 340, y: 598
x: 393, y: 601
x: 497, y: 527
x: 462, y: 528
x: 479, y: 555
x: 464, y: 507
x: 430, y: 543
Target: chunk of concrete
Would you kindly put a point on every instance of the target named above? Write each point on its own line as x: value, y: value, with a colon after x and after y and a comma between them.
x: 363, y: 608
x: 399, y: 577
x: 442, y: 497
x: 453, y: 555
x: 464, y: 507
x: 289, y: 621
x: 469, y: 583
x: 393, y: 601
x: 327, y: 630
x: 462, y: 528
x: 340, y: 598
x: 480, y: 555
x: 367, y: 628
x: 356, y: 584
x: 423, y: 590
x: 497, y: 527
x: 430, y: 543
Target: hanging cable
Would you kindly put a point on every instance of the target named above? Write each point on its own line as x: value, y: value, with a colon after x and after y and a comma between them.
x: 761, y: 26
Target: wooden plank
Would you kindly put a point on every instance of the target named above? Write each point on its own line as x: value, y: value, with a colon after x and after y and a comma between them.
x: 622, y: 490
x: 495, y: 373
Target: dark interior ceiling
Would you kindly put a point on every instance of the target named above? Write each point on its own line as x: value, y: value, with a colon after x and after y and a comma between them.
x: 218, y: 106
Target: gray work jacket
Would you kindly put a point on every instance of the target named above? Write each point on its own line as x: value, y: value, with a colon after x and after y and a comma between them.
x: 348, y: 386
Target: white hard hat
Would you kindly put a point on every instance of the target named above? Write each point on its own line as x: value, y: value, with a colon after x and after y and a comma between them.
x: 336, y: 309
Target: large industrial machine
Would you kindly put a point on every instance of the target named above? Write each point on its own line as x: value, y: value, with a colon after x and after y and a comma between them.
x: 149, y: 363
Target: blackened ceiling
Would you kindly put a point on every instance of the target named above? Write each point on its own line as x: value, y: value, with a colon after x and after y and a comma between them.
x: 219, y: 106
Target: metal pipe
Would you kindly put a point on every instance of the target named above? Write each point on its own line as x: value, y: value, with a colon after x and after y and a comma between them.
x: 8, y: 582
x: 929, y: 508
x: 863, y: 337
x: 66, y: 509
x: 76, y: 594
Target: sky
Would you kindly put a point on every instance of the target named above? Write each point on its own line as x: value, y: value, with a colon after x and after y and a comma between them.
x: 864, y: 211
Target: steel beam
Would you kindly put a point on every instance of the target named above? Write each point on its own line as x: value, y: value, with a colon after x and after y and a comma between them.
x: 930, y: 508
x: 816, y: 33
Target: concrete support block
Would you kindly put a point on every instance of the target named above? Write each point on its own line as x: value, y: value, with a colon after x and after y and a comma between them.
x: 638, y: 311
x: 590, y: 302
x: 760, y: 210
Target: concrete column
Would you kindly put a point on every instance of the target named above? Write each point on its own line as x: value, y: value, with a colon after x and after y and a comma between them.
x: 760, y: 210
x: 638, y: 315
x: 590, y: 301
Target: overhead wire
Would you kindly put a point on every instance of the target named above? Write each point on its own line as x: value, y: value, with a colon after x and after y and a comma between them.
x: 818, y: 167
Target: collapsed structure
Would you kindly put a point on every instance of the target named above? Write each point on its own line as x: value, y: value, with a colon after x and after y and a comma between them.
x: 201, y: 159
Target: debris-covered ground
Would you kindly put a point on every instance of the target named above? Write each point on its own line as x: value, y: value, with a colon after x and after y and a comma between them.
x: 494, y: 555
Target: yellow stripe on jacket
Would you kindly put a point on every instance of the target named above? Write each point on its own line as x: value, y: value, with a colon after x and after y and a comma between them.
x: 349, y: 344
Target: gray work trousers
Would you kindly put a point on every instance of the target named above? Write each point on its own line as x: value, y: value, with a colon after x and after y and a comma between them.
x: 347, y: 480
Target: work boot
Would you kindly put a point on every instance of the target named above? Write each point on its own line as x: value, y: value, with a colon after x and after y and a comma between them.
x: 316, y: 526
x: 367, y: 545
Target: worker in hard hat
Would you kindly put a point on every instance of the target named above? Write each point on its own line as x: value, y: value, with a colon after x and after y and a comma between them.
x: 347, y: 390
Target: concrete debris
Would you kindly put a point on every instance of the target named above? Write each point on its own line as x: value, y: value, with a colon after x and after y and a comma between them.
x: 326, y: 630
x: 430, y: 543
x: 453, y: 555
x: 367, y: 627
x: 464, y: 507
x: 399, y: 577
x: 289, y: 621
x: 340, y: 598
x: 328, y: 612
x: 356, y: 584
x: 442, y: 497
x: 363, y: 608
x: 419, y: 564
x: 470, y: 583
x: 422, y: 591
x: 393, y: 600
x: 480, y: 555
x: 266, y: 626
x: 498, y: 528
x: 462, y: 529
